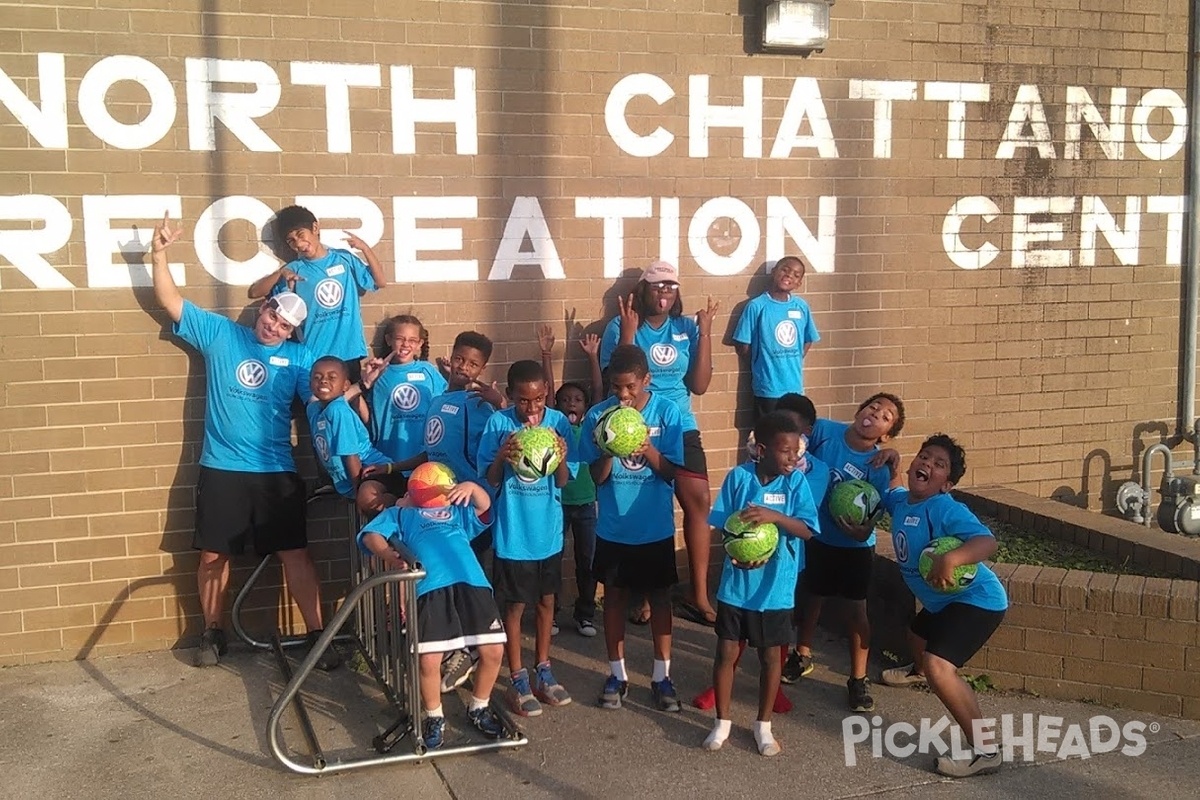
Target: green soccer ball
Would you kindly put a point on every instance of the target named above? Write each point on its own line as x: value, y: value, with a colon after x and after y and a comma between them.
x: 963, y: 576
x: 747, y: 542
x: 620, y: 431
x: 856, y: 500
x: 539, y: 453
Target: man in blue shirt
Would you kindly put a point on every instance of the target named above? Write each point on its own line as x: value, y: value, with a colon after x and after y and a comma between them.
x: 248, y: 491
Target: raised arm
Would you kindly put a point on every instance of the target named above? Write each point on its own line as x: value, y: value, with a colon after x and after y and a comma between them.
x: 165, y: 291
x: 591, y: 345
x: 262, y: 287
x: 545, y: 335
x: 369, y: 257
x: 701, y: 372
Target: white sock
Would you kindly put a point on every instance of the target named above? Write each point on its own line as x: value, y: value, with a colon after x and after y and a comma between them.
x: 661, y: 670
x: 763, y: 738
x: 618, y: 669
x: 434, y: 712
x: 718, y: 734
x: 477, y: 703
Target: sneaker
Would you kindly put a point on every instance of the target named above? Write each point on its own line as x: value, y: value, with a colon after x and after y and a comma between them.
x: 796, y: 667
x: 433, y: 731
x: 662, y: 693
x: 974, y: 764
x: 520, y: 696
x: 613, y: 693
x: 456, y: 669
x: 586, y: 628
x: 858, y: 690
x: 212, y: 646
x: 331, y: 659
x: 549, y: 690
x: 903, y: 676
x: 486, y: 722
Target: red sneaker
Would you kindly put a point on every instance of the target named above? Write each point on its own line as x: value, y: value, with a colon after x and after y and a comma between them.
x: 707, y: 699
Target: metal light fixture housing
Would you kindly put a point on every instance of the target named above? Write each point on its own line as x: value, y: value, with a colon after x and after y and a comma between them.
x: 795, y: 26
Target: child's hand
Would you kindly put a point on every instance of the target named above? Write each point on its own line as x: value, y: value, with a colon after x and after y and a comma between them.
x: 628, y: 314
x: 941, y: 574
x: 460, y: 494
x: 373, y: 369
x: 756, y: 515
x: 163, y: 237
x: 489, y: 394
x: 545, y: 337
x: 392, y: 560
x: 590, y: 344
x: 290, y: 277
x: 859, y: 533
x: 443, y: 365
x: 748, y: 564
x: 560, y: 447
x: 371, y: 470
x: 888, y: 456
x: 355, y: 242
x: 510, y: 451
x: 704, y: 317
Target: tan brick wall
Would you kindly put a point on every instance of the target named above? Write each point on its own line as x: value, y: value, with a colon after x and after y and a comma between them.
x: 1053, y: 377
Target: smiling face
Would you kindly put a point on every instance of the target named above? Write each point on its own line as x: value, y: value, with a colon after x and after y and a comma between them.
x: 405, y: 341
x: 929, y: 473
x: 780, y: 455
x: 529, y: 401
x: 328, y: 380
x: 787, y: 276
x: 269, y: 327
x: 874, y: 421
x: 305, y: 242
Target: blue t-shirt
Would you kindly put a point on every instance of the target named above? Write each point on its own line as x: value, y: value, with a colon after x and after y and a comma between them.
x: 915, y: 525
x: 400, y: 402
x: 440, y: 538
x: 817, y: 475
x: 771, y: 587
x: 337, y: 431
x: 828, y: 443
x: 635, y: 505
x: 249, y: 388
x: 777, y: 332
x: 452, y: 430
x: 669, y: 351
x: 527, y: 518
x: 330, y: 287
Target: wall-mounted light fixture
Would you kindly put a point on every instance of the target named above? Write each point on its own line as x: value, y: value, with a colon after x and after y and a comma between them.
x: 795, y: 26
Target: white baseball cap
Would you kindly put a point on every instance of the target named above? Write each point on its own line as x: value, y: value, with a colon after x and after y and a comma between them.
x: 290, y: 307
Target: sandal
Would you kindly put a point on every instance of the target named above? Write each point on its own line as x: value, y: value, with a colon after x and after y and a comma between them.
x: 692, y: 613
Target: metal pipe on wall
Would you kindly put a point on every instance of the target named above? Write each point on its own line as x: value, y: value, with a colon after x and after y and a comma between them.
x: 1191, y: 261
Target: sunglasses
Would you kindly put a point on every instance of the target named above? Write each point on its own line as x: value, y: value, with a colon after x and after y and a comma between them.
x: 663, y: 286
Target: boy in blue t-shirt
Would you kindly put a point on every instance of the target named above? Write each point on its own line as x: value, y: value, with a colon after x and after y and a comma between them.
x: 527, y: 532
x: 775, y: 332
x: 455, y: 607
x: 330, y: 281
x: 635, y: 529
x: 248, y: 491
x: 952, y: 625
x: 755, y: 601
x: 341, y: 442
x: 839, y: 559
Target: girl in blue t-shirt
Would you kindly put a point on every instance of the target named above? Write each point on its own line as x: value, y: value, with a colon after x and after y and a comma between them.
x: 952, y: 625
x: 679, y: 350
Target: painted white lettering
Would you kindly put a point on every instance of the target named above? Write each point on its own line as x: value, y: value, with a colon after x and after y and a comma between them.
x: 704, y: 221
x: 237, y: 110
x: 957, y: 95
x: 884, y: 93
x: 1109, y: 135
x: 1027, y: 110
x: 1095, y: 218
x: 804, y: 103
x: 337, y: 80
x: 616, y: 118
x: 1173, y: 207
x: 960, y: 253
x: 1026, y: 232
x: 1173, y: 104
x: 408, y: 110
x: 24, y: 249
x: 614, y: 211
x: 782, y: 220
x: 208, y: 244
x: 47, y: 124
x: 411, y: 240
x: 702, y: 116
x: 101, y: 239
x: 333, y: 207
x: 526, y: 221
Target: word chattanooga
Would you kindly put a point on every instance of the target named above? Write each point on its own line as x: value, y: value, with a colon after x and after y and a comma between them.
x: 643, y: 116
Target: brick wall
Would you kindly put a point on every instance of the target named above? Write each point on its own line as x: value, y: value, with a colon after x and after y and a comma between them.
x: 1054, y: 377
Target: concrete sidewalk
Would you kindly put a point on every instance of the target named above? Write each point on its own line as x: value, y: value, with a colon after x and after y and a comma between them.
x: 153, y: 726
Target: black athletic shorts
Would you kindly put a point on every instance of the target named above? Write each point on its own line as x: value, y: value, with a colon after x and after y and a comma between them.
x: 526, y: 581
x: 695, y: 463
x: 457, y: 616
x: 758, y: 628
x: 640, y: 567
x: 837, y: 571
x: 764, y: 406
x: 264, y: 509
x: 957, y: 631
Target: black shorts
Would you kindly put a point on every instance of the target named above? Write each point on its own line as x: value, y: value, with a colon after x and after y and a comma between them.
x: 957, y: 631
x: 758, y: 628
x: 457, y: 616
x: 837, y: 571
x: 764, y: 406
x: 526, y: 581
x: 639, y: 567
x: 264, y: 509
x: 695, y: 463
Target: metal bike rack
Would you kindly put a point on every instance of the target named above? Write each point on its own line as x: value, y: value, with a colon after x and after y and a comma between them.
x: 387, y: 641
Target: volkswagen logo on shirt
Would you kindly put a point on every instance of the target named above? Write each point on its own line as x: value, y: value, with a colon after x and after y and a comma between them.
x: 785, y: 333
x: 435, y: 429
x: 329, y: 293
x: 634, y: 463
x: 663, y: 355
x: 321, y: 445
x: 900, y: 539
x: 405, y: 397
x: 436, y: 514
x: 251, y: 373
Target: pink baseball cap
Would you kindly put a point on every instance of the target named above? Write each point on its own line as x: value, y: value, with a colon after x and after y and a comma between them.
x: 661, y: 272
